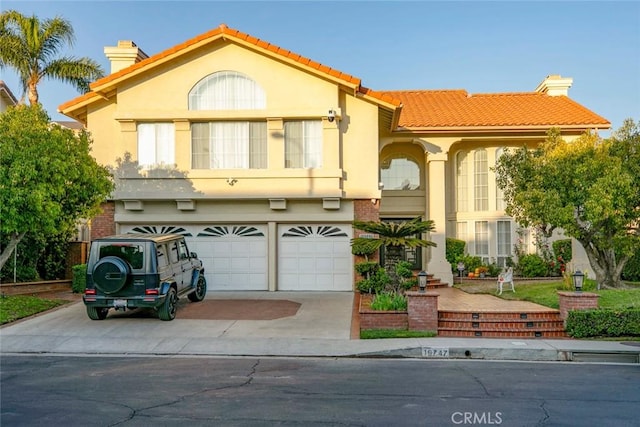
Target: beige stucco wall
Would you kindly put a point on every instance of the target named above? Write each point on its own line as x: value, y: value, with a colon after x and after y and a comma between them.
x: 350, y: 143
x: 220, y: 211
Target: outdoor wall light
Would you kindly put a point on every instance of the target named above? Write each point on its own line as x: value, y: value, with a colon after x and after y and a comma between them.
x: 331, y: 116
x: 578, y: 279
x: 422, y: 280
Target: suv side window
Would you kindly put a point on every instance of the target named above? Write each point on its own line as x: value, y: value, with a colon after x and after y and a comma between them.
x: 163, y: 261
x: 173, y: 252
x: 182, y: 249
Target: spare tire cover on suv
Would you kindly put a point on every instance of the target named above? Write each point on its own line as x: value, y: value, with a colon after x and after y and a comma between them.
x: 110, y: 274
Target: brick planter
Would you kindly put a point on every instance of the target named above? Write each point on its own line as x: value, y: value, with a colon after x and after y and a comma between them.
x: 421, y: 314
x: 576, y: 301
x: 379, y: 319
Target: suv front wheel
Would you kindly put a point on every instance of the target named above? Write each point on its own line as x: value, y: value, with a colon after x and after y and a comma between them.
x: 201, y: 290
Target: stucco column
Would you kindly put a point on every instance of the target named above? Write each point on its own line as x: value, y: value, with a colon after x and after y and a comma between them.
x: 436, y: 211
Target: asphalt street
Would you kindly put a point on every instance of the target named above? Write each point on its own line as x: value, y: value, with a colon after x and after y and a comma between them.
x: 250, y: 391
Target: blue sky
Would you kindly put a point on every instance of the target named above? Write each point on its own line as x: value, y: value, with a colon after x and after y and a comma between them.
x: 483, y: 47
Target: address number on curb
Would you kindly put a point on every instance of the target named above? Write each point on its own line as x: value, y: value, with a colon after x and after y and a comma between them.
x: 435, y: 352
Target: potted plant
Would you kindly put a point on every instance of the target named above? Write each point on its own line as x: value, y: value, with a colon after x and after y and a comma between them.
x: 482, y: 271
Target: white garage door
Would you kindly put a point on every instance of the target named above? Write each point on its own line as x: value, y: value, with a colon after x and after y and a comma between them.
x: 314, y: 258
x: 234, y: 256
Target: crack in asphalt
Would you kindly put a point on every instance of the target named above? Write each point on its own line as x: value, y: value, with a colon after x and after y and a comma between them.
x: 138, y: 412
x: 477, y: 380
x: 546, y: 415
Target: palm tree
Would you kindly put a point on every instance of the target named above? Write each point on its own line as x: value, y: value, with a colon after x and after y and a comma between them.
x: 30, y: 47
x: 394, y: 236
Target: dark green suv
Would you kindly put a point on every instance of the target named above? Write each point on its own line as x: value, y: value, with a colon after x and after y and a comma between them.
x: 142, y: 270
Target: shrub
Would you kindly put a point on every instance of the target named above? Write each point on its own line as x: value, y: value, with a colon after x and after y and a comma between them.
x: 454, y: 250
x: 470, y: 262
x: 365, y: 269
x: 532, y: 265
x: 376, y: 283
x: 563, y: 254
x: 562, y: 248
x: 79, y: 280
x: 389, y: 301
x: 603, y: 323
x: 493, y: 270
x: 363, y: 247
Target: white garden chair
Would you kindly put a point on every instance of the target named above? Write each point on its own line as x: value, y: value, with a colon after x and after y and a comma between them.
x: 506, y: 277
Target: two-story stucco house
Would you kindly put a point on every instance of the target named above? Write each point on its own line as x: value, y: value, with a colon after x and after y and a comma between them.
x: 263, y: 158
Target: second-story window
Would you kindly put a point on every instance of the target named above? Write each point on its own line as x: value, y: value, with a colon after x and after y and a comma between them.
x: 229, y: 145
x: 400, y: 172
x: 227, y: 90
x: 156, y: 144
x: 480, y: 180
x: 303, y: 144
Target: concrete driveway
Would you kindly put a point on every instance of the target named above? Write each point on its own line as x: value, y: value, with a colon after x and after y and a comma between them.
x: 319, y: 315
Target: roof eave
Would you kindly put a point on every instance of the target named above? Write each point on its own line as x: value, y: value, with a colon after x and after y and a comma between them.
x: 502, y: 129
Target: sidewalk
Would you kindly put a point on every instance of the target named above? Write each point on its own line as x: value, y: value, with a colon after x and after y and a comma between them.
x: 321, y: 327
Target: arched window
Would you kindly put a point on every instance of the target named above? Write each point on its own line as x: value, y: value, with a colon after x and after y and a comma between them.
x: 400, y: 172
x: 227, y: 90
x: 480, y: 180
x: 462, y: 181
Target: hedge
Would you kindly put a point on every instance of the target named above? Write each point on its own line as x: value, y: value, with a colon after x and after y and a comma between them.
x: 603, y: 323
x: 79, y: 281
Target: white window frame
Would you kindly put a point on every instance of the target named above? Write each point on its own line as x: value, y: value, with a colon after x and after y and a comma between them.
x: 303, y: 146
x: 480, y: 180
x: 481, y: 240
x: 504, y: 241
x: 227, y: 90
x: 501, y: 205
x: 462, y: 181
x: 400, y: 172
x: 156, y: 144
x: 229, y: 145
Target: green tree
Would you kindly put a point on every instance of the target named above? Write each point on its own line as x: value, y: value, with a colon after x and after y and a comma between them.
x: 48, y: 179
x: 590, y: 188
x: 394, y: 236
x: 31, y: 47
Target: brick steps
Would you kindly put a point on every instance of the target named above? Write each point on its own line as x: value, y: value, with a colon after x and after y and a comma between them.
x: 435, y: 283
x: 460, y: 333
x: 500, y: 324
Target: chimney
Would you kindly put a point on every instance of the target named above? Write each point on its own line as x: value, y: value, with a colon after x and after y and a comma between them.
x: 124, y: 55
x: 555, y: 85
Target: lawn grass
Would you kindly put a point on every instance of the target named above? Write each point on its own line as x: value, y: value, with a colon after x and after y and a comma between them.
x: 14, y: 307
x: 371, y: 334
x: 546, y: 293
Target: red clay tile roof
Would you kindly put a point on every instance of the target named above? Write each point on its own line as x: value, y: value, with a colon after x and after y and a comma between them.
x: 456, y: 108
x: 226, y: 32
x: 220, y: 32
x: 419, y: 108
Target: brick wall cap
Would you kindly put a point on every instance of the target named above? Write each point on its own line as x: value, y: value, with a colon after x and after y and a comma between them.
x: 578, y: 294
x: 422, y: 294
